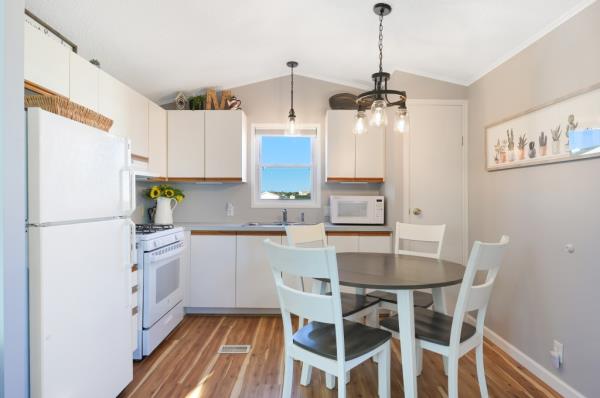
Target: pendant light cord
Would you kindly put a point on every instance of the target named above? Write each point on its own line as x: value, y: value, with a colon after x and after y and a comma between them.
x: 292, y: 90
x: 381, y: 41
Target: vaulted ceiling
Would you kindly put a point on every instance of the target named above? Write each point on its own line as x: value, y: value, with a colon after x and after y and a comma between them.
x: 160, y: 47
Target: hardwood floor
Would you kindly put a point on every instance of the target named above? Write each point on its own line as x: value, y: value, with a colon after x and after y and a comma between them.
x: 187, y: 365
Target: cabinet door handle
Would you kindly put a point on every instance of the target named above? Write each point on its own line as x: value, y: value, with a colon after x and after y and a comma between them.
x: 416, y: 211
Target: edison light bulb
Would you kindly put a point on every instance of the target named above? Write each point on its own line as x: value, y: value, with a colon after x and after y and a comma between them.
x: 401, y: 121
x: 378, y: 116
x: 360, y: 125
x: 291, y: 130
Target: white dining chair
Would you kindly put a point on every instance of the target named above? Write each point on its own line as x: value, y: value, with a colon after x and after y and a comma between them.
x: 449, y: 336
x: 354, y: 306
x: 413, y: 233
x: 328, y: 342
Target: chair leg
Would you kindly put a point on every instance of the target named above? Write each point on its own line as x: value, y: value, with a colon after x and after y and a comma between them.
x: 383, y: 371
x: 445, y: 363
x: 481, y: 371
x: 341, y: 385
x: 288, y: 377
x: 419, y: 352
x: 373, y: 319
x: 329, y: 381
x: 300, y: 323
x: 306, y: 374
x: 453, y: 376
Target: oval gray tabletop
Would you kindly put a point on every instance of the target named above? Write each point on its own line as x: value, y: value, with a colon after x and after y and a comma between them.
x: 396, y: 271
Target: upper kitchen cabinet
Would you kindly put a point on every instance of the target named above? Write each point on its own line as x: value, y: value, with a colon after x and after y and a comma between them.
x: 83, y: 82
x: 129, y: 112
x: 46, y: 62
x: 225, y: 143
x: 185, y: 154
x: 352, y: 158
x: 157, y: 136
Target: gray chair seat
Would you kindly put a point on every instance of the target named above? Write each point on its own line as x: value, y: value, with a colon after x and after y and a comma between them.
x: 319, y: 338
x: 421, y: 299
x: 431, y: 326
x: 353, y: 303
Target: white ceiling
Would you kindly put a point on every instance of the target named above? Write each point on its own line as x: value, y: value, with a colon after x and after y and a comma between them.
x: 160, y: 47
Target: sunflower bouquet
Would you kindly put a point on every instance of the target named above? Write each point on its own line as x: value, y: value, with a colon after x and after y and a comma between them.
x: 164, y: 191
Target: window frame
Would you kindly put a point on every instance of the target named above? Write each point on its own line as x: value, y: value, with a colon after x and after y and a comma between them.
x: 256, y: 201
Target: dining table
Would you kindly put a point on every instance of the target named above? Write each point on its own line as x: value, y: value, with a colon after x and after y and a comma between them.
x: 401, y: 275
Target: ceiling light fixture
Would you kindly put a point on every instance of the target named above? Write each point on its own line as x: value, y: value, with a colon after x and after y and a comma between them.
x: 291, y: 127
x: 379, y: 94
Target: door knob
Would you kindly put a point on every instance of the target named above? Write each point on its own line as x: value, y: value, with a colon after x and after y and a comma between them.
x: 416, y: 211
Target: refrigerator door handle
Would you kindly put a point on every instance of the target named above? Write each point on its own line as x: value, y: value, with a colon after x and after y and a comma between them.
x: 132, y: 201
x: 132, y: 248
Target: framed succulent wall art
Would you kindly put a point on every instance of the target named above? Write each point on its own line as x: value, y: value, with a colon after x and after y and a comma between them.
x: 563, y: 130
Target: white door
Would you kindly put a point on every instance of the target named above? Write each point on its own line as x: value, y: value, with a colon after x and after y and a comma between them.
x: 84, y: 82
x: 340, y: 159
x: 46, y: 61
x: 76, y: 172
x: 435, y: 172
x: 80, y: 314
x: 211, y: 282
x: 157, y: 135
x: 254, y: 283
x: 185, y: 149
x: 225, y: 140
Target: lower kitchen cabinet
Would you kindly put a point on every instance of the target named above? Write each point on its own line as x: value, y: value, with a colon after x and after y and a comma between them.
x: 343, y: 243
x: 375, y: 243
x: 211, y: 278
x: 254, y: 283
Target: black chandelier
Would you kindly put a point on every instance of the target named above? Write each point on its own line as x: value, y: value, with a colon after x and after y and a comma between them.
x: 379, y: 97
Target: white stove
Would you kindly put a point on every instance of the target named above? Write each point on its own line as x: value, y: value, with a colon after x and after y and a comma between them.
x: 160, y: 292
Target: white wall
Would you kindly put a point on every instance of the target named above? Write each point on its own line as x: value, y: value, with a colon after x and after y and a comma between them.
x: 543, y: 293
x: 13, y: 271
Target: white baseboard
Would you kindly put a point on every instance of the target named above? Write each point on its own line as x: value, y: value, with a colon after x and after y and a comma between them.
x: 538, y: 370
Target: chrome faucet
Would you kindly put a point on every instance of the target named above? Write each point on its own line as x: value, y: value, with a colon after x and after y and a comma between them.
x: 284, y: 215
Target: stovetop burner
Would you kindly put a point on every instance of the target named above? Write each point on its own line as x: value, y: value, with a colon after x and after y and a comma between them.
x: 144, y: 229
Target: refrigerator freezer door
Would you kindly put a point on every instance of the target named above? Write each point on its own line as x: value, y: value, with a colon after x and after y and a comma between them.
x: 76, y: 172
x: 80, y: 315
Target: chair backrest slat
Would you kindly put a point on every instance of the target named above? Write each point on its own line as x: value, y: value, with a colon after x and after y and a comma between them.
x: 306, y: 235
x: 419, y: 233
x: 311, y: 306
x: 484, y: 257
x: 318, y: 263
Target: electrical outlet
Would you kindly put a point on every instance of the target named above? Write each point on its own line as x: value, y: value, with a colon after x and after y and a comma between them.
x: 557, y: 354
x: 229, y: 209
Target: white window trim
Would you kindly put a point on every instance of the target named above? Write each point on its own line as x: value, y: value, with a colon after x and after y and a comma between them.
x: 256, y: 202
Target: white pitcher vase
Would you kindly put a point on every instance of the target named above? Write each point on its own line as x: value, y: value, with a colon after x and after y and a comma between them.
x: 164, y: 210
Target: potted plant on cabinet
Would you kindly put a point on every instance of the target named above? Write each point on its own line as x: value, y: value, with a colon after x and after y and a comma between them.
x: 166, y: 198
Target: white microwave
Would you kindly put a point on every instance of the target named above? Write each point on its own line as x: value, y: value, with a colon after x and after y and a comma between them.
x: 356, y: 209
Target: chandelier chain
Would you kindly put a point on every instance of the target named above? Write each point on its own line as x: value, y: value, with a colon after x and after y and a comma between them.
x: 381, y: 41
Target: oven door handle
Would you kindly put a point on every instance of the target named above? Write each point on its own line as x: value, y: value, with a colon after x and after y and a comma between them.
x: 154, y: 257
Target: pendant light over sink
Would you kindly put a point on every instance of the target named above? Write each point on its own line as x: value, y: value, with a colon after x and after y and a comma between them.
x: 380, y: 95
x: 291, y: 126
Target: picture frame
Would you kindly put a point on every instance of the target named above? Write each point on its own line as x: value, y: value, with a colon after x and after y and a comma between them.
x: 540, y: 135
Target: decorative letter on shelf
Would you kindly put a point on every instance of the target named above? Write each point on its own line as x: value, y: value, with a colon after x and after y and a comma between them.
x: 212, y: 101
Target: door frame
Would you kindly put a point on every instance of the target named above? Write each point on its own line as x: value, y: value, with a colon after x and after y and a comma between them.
x: 465, y: 169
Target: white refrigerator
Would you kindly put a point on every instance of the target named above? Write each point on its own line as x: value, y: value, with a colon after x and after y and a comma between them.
x: 81, y: 192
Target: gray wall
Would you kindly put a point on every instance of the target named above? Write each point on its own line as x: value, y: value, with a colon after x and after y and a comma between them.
x: 13, y: 267
x: 268, y: 102
x: 543, y: 293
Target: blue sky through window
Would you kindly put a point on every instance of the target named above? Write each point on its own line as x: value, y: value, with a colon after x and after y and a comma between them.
x: 285, y: 150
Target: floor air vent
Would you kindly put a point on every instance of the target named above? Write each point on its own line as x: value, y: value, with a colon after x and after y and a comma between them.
x: 234, y: 349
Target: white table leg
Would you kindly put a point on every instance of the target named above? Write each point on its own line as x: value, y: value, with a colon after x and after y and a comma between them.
x: 305, y: 375
x: 439, y: 305
x: 406, y: 321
